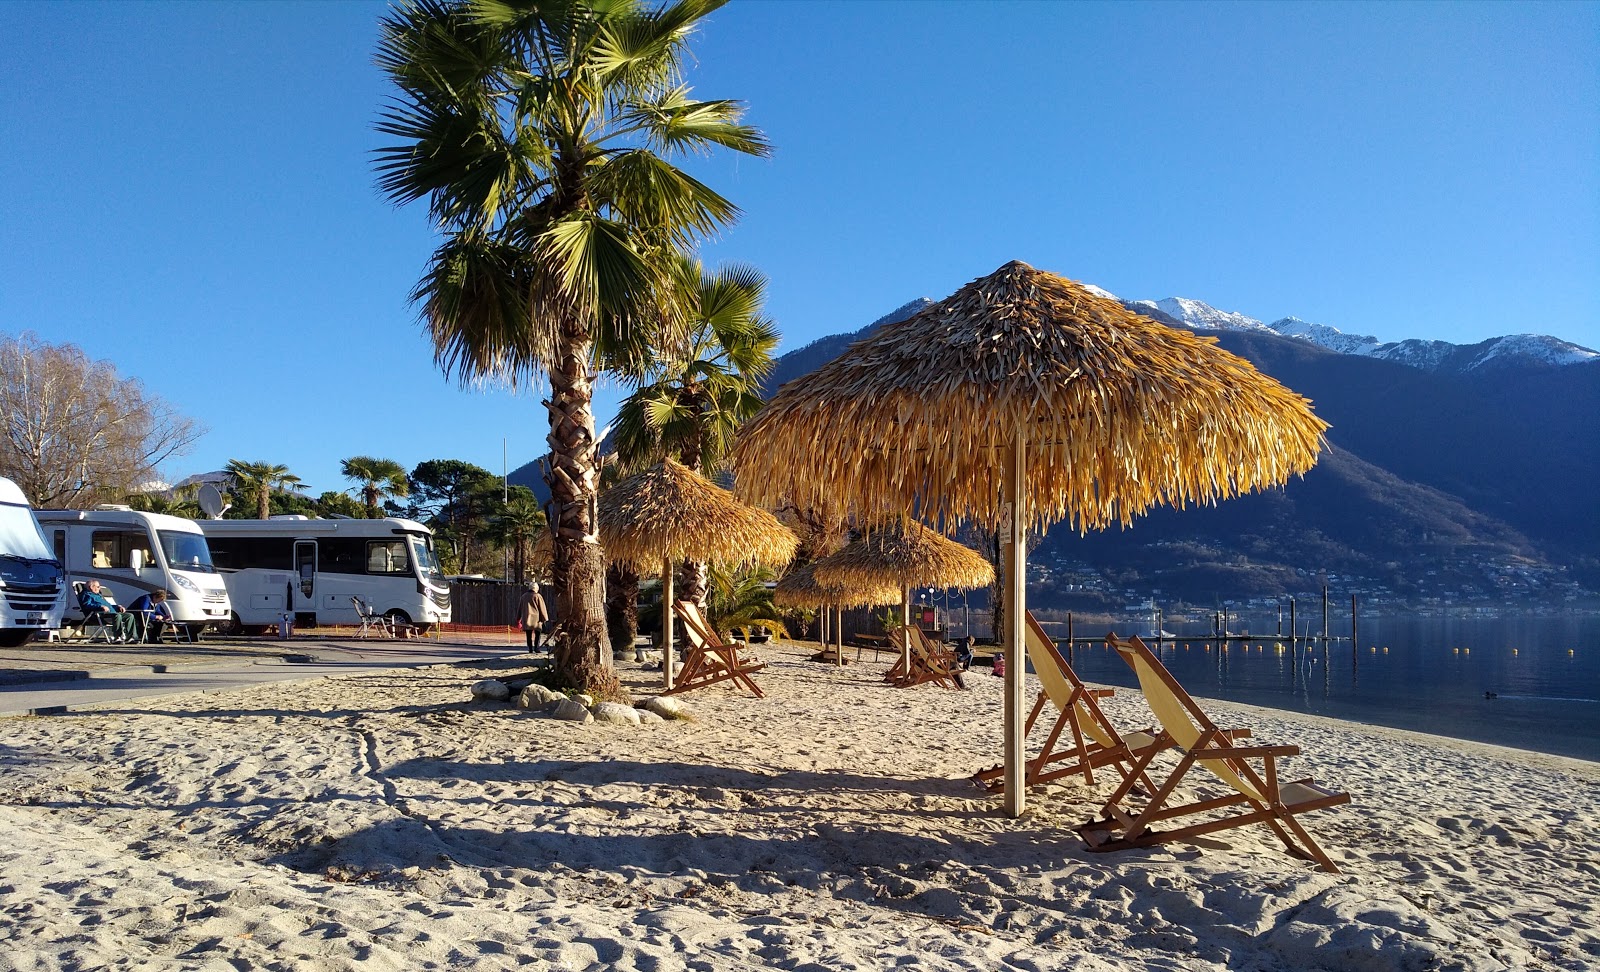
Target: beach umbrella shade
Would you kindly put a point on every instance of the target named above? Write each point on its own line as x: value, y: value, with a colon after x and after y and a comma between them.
x: 1023, y: 400
x: 801, y: 588
x: 905, y: 554
x: 669, y: 513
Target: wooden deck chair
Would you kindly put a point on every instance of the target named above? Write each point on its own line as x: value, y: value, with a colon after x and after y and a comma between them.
x: 1082, y: 739
x: 930, y: 661
x: 896, y: 640
x: 709, y: 659
x: 1261, y: 796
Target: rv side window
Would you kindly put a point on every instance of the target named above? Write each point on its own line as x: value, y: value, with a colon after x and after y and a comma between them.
x: 61, y: 545
x: 387, y: 557
x: 114, y: 548
x: 243, y: 553
x: 341, y: 555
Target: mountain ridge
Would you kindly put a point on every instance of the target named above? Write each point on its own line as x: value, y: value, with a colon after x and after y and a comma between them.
x: 1471, y: 478
x: 1427, y: 355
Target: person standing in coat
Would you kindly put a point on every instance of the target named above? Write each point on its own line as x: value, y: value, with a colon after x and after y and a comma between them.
x: 532, y: 615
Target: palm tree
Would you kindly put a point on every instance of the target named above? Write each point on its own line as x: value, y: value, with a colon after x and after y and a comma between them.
x: 741, y: 599
x: 180, y: 501
x: 690, y: 401
x: 259, y: 480
x: 516, y: 526
x: 540, y: 134
x: 378, y: 478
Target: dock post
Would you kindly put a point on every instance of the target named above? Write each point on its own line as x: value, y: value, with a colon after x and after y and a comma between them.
x: 1324, y: 622
x: 1070, y: 643
x: 1294, y: 626
x: 1355, y: 642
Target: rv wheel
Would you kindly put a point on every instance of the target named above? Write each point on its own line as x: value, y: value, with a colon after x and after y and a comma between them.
x: 234, y: 627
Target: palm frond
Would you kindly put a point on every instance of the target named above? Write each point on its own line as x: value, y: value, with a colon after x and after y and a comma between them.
x: 673, y: 122
x: 595, y: 262
x: 474, y: 298
x: 645, y: 189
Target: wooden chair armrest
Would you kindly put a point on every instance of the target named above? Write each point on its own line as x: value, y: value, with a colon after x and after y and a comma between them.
x: 1236, y: 733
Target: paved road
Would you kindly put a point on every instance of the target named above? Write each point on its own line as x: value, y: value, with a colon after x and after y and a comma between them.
x: 54, y: 679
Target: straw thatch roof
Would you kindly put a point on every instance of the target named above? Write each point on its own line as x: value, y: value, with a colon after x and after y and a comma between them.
x: 670, y: 512
x: 800, y: 588
x: 905, y: 554
x: 1118, y: 413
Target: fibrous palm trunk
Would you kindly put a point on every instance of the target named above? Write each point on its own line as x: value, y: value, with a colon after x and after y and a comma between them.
x: 582, y: 654
x: 693, y: 582
x: 693, y: 577
x: 622, y: 606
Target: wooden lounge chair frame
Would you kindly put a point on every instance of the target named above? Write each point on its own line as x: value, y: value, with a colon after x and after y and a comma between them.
x: 1082, y: 739
x: 930, y: 662
x: 1263, y: 798
x: 710, y: 659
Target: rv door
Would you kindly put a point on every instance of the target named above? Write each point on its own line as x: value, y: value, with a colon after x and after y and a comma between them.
x: 305, y: 565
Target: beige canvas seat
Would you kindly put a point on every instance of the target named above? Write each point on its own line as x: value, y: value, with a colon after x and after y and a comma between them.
x: 1082, y: 738
x: 931, y: 661
x: 710, y: 659
x: 1257, y: 795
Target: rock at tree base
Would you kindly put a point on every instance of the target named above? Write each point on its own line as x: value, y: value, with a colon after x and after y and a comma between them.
x: 491, y: 690
x: 666, y: 707
x: 572, y: 711
x: 616, y: 713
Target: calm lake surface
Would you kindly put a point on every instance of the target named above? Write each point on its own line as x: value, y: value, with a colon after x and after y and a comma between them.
x: 1425, y: 674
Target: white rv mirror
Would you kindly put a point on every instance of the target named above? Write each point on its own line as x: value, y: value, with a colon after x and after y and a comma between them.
x: 136, y: 560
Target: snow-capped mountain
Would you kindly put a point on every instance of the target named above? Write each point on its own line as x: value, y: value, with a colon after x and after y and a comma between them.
x: 1512, y: 349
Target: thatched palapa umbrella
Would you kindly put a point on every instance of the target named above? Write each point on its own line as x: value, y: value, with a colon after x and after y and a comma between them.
x: 801, y: 588
x: 1022, y: 400
x: 905, y: 554
x: 668, y: 514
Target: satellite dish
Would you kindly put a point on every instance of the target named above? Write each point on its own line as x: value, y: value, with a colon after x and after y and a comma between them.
x: 210, y: 500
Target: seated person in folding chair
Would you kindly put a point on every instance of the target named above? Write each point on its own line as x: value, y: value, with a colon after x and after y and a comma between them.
x: 122, y: 625
x: 153, y: 611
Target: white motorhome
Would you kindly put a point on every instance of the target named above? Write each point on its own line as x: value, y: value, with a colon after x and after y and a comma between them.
x: 134, y: 553
x: 30, y: 576
x: 312, y: 568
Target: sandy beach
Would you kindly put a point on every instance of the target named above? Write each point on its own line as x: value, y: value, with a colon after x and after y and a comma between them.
x: 383, y: 821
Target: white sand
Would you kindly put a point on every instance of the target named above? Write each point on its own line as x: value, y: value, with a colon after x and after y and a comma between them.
x: 382, y: 822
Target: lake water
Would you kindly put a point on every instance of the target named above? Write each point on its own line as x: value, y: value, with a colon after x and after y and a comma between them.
x: 1425, y: 674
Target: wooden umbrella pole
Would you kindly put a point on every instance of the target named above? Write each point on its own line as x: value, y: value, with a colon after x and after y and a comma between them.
x: 1016, y: 560
x: 905, y: 619
x: 838, y: 636
x: 666, y: 621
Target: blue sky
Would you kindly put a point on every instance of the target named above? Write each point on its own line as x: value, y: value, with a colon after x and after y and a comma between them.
x: 188, y: 190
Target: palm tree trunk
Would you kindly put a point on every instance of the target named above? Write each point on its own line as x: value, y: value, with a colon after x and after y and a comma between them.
x: 264, y: 502
x: 694, y: 582
x: 622, y: 606
x: 693, y: 576
x: 582, y: 654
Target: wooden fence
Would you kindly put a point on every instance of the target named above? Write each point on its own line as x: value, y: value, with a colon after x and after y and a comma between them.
x: 490, y: 603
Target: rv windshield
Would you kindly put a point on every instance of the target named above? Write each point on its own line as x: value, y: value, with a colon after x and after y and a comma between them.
x: 24, y: 556
x: 186, y: 551
x: 422, y: 552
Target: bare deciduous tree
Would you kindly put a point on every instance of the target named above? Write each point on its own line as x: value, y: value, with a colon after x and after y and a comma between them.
x: 72, y: 432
